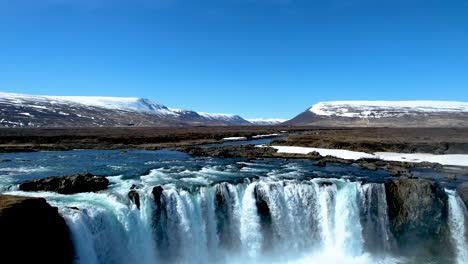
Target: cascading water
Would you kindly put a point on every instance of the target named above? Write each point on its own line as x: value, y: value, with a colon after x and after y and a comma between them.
x: 225, y: 211
x: 374, y: 219
x: 106, y: 230
x: 457, y: 219
x: 250, y: 229
x: 224, y: 223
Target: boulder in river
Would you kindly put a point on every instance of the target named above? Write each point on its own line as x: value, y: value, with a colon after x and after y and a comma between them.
x: 76, y: 183
x: 32, y: 231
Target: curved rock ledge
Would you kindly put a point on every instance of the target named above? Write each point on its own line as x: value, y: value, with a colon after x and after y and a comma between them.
x: 32, y: 231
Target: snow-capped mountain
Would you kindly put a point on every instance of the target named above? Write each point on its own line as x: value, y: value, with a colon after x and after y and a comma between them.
x: 266, y: 121
x: 385, y: 113
x: 225, y: 117
x: 118, y: 103
x: 19, y: 110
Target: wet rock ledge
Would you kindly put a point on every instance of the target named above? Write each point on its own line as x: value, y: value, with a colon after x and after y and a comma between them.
x: 70, y: 184
x: 32, y: 231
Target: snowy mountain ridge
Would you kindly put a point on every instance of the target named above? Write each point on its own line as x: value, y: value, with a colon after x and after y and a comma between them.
x: 381, y: 109
x: 384, y: 114
x: 266, y: 121
x: 122, y: 103
x: 30, y: 110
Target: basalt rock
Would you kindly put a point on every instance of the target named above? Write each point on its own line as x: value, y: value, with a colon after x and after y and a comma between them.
x: 243, y: 151
x: 134, y: 196
x: 417, y: 210
x: 225, y: 222
x: 462, y: 190
x: 160, y: 223
x: 32, y: 231
x: 157, y: 194
x: 263, y: 211
x: 368, y: 166
x: 77, y: 183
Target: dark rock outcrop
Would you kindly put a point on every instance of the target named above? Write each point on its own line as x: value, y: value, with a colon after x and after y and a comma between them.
x: 160, y: 226
x: 77, y: 183
x: 243, y: 151
x: 462, y: 190
x: 32, y: 231
x: 417, y: 210
x: 224, y: 209
x: 134, y: 196
x: 265, y: 218
x: 157, y: 194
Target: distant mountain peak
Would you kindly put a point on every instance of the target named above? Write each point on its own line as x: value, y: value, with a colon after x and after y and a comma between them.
x: 385, y: 113
x: 121, y: 103
x: 379, y: 109
x: 266, y: 121
x: 20, y: 110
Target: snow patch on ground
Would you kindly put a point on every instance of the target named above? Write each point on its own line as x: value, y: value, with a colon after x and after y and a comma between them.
x: 448, y: 159
x: 234, y: 138
x: 339, y: 153
x: 265, y: 136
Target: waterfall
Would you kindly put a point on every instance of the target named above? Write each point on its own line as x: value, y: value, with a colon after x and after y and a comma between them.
x: 107, y: 230
x: 374, y: 219
x: 457, y: 217
x: 250, y: 231
x: 253, y: 221
x: 347, y: 224
x: 326, y: 212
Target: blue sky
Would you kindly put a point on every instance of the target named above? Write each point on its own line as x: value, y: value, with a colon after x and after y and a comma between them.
x: 256, y: 58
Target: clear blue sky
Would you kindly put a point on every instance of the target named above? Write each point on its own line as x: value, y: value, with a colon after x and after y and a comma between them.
x: 256, y: 58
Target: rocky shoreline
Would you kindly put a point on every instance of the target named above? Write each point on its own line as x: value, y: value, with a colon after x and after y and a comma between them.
x: 148, y: 138
x: 370, y: 140
x: 405, y: 140
x: 394, y: 168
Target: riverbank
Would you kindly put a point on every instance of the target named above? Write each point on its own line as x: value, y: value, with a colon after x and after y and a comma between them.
x: 402, y: 140
x: 371, y: 140
x: 58, y: 139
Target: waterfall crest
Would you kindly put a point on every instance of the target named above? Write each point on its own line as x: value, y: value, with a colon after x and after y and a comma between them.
x: 253, y: 221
